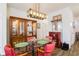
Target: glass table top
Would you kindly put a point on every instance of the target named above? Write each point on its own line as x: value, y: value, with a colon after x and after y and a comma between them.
x: 22, y: 44
x: 42, y: 41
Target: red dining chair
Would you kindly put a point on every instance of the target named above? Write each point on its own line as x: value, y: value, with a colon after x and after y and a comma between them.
x: 48, y: 50
x: 9, y: 51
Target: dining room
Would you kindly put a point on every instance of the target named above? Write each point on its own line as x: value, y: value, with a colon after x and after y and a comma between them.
x: 40, y: 29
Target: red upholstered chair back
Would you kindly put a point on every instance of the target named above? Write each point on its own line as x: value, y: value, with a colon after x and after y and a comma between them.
x: 49, y: 47
x: 9, y: 51
x: 48, y: 50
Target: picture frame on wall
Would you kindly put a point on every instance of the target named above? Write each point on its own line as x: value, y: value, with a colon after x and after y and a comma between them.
x: 57, y: 18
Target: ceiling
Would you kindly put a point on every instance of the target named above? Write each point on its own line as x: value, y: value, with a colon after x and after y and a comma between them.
x: 47, y: 7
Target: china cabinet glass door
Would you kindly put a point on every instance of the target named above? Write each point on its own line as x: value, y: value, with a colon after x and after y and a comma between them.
x: 14, y: 23
x: 15, y: 27
x: 22, y: 31
x: 22, y: 27
x: 29, y: 28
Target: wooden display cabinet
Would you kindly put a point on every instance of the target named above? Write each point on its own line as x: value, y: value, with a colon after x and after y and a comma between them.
x: 20, y: 29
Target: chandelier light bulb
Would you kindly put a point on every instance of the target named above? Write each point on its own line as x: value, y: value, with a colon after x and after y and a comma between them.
x: 34, y: 13
x: 37, y: 14
x: 40, y: 15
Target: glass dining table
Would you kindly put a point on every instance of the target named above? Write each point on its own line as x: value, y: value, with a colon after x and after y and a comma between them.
x: 21, y: 47
x: 25, y: 44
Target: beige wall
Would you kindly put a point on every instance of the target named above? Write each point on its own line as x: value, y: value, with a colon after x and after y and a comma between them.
x: 3, y: 27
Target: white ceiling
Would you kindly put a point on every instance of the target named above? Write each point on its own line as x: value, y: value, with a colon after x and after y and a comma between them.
x: 47, y: 7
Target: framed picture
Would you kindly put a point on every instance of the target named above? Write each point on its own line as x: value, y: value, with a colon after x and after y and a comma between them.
x: 57, y: 18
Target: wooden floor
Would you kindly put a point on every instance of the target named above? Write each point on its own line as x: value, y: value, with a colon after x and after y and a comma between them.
x: 74, y: 51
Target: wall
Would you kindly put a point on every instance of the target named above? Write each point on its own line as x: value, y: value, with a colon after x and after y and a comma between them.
x: 67, y: 19
x: 3, y: 27
x: 76, y: 24
x: 45, y: 28
x: 16, y: 12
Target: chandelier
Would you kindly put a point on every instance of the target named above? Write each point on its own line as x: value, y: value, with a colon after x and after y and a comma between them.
x: 35, y: 13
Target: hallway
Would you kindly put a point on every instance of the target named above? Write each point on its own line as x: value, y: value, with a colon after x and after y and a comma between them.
x: 74, y: 51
